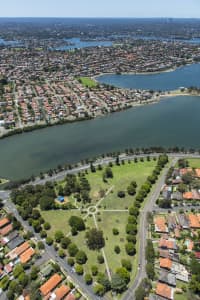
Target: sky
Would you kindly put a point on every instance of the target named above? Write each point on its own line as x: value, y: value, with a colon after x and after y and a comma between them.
x: 101, y: 8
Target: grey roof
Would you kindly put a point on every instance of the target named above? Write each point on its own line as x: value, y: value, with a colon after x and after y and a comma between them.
x: 15, y: 242
x: 12, y: 235
x: 167, y: 277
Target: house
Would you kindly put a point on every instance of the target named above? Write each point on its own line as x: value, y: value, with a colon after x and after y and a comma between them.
x: 160, y: 224
x: 47, y: 270
x: 180, y: 271
x: 27, y: 255
x: 60, y: 293
x: 6, y: 229
x: 188, y: 195
x: 194, y: 221
x: 4, y: 222
x: 197, y: 254
x: 167, y: 277
x: 183, y: 221
x: 164, y: 291
x: 176, y: 196
x: 70, y: 297
x: 165, y: 263
x: 17, y: 241
x: 50, y: 284
x: 185, y: 171
x: 189, y: 244
x: 18, y: 250
x: 168, y: 244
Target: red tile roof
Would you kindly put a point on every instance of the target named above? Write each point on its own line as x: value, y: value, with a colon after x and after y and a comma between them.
x: 4, y: 222
x: 164, y: 290
x: 62, y: 291
x: 165, y: 263
x: 26, y: 255
x: 50, y: 284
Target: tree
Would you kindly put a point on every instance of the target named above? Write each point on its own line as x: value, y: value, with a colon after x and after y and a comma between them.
x: 121, y: 194
x: 117, y: 249
x: 79, y: 269
x: 143, y: 289
x: 115, y: 231
x: 43, y: 234
x: 46, y: 203
x: 103, y: 279
x: 49, y: 240
x: 100, y: 259
x: 34, y: 273
x: 118, y: 284
x: 99, y: 289
x: 58, y: 236
x: 70, y: 261
x: 131, y: 190
x: 108, y: 172
x: 65, y: 241
x: 95, y: 239
x: 40, y: 245
x: 94, y: 270
x: 18, y: 269
x: 131, y: 228
x: 61, y: 253
x: 130, y: 249
x: 77, y: 223
x: 81, y: 257
x: 47, y: 226
x: 150, y: 270
x: 126, y: 263
x: 187, y: 178
x: 23, y: 279
x: 123, y: 273
x: 88, y: 279
x: 72, y: 249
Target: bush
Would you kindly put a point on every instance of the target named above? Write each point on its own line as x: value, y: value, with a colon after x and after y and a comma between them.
x: 79, y: 269
x: 70, y: 261
x: 130, y: 249
x: 115, y: 231
x: 100, y: 259
x: 121, y: 194
x: 94, y: 270
x: 88, y: 279
x: 117, y: 249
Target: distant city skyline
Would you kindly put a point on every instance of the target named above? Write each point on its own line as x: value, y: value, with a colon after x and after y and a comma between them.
x: 101, y: 8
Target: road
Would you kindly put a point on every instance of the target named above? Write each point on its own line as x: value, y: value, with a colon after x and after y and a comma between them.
x: 105, y: 161
x: 142, y: 233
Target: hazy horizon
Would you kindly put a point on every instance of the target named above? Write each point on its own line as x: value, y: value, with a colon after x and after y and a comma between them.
x: 100, y: 9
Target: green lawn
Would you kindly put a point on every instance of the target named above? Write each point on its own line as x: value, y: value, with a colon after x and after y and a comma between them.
x: 79, y: 240
x: 88, y: 82
x: 122, y: 176
x: 194, y: 162
x: 59, y: 220
x: 110, y: 220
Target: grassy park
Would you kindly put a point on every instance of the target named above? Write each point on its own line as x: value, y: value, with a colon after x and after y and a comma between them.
x: 111, y: 212
x: 92, y: 218
x: 88, y: 82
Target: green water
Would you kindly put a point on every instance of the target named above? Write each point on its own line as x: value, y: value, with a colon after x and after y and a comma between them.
x: 171, y: 122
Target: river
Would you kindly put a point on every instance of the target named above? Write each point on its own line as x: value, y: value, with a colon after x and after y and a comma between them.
x: 182, y: 77
x: 171, y: 122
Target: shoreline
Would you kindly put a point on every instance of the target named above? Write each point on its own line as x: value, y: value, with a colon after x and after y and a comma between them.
x: 153, y: 100
x: 168, y: 70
